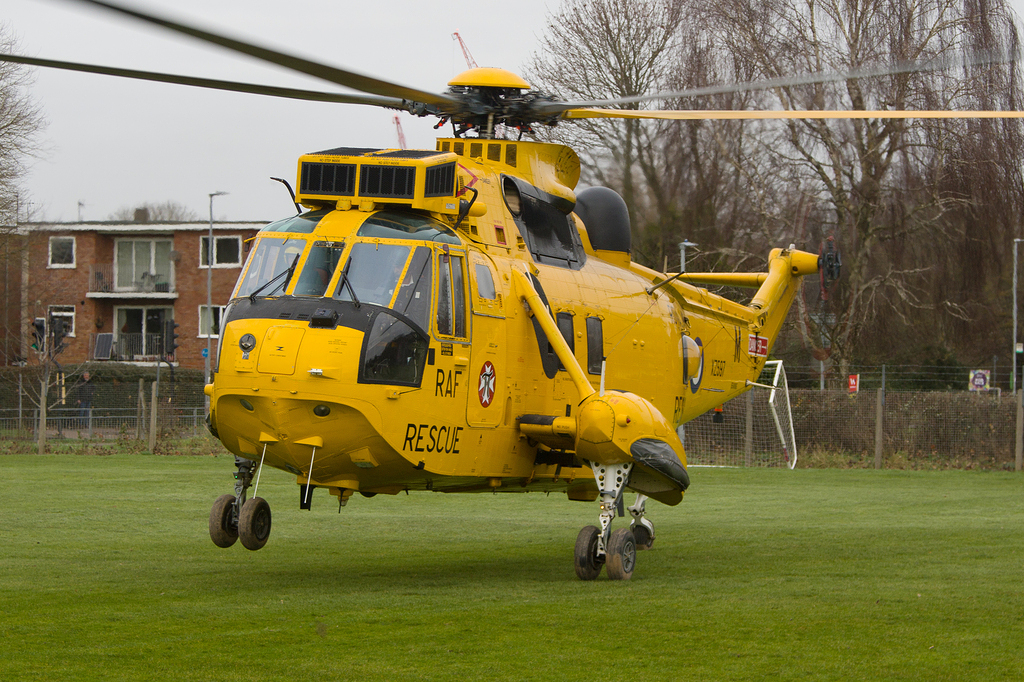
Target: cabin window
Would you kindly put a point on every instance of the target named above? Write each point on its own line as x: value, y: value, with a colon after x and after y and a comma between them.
x: 62, y: 252
x: 395, y: 225
x: 270, y: 266
x: 451, y: 297
x: 393, y: 352
x: 372, y: 273
x: 564, y: 321
x: 595, y: 345
x: 484, y: 282
x: 320, y: 264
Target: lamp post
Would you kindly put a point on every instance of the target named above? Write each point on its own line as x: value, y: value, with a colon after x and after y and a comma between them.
x: 682, y: 253
x: 1013, y: 376
x: 209, y: 294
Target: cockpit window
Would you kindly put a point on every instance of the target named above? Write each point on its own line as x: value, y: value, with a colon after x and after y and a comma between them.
x: 319, y: 267
x: 303, y: 223
x: 372, y: 272
x: 395, y: 225
x: 413, y: 299
x: 270, y: 261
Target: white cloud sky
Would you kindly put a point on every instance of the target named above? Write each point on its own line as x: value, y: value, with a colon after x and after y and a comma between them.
x: 114, y: 143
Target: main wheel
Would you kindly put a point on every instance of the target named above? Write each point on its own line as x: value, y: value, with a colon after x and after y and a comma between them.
x: 621, y: 554
x: 588, y: 564
x: 642, y: 535
x: 222, y: 529
x: 254, y: 523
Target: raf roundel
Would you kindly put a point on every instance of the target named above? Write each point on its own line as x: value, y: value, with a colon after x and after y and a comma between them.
x: 486, y: 388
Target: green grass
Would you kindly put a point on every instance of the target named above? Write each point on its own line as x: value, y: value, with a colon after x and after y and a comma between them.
x: 107, y: 572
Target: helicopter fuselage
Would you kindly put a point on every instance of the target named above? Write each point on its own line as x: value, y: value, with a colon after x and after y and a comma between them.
x: 376, y: 347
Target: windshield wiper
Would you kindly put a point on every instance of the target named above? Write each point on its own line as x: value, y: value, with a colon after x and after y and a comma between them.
x: 288, y: 272
x: 344, y: 281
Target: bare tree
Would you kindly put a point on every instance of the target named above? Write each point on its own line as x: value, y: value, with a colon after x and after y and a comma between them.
x: 887, y: 184
x: 20, y: 122
x: 167, y: 211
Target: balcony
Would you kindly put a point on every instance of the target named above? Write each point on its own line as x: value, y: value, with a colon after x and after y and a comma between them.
x: 127, y: 347
x: 104, y: 283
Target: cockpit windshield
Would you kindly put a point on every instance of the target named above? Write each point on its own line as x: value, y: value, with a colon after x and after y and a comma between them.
x: 271, y: 260
x: 372, y: 273
x: 320, y: 264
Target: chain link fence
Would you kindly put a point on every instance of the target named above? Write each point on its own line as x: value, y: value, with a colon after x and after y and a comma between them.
x: 106, y: 403
x: 832, y: 427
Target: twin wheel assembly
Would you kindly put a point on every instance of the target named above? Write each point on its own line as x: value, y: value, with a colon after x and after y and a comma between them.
x: 233, y: 517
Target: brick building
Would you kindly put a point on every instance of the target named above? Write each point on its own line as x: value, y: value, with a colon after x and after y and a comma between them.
x: 115, y: 285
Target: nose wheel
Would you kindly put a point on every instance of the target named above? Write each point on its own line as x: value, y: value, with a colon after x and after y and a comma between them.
x: 233, y: 517
x: 597, y: 547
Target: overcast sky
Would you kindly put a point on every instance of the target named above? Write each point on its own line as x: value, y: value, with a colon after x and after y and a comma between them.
x: 113, y: 143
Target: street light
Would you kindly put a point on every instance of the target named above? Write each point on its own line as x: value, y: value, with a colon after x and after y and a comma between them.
x: 1013, y: 377
x: 682, y: 253
x: 209, y: 293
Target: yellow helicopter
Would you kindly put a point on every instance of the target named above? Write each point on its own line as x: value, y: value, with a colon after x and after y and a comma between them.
x: 462, y: 319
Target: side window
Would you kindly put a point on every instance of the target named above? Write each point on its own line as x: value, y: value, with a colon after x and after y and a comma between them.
x: 565, y: 326
x: 595, y: 345
x: 451, y: 296
x: 484, y: 282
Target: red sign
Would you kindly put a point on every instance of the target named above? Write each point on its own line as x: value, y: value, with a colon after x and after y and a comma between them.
x: 485, y: 389
x: 854, y: 383
x: 757, y: 346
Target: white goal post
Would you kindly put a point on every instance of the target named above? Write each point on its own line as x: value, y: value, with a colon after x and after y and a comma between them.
x: 782, y: 414
x: 752, y: 430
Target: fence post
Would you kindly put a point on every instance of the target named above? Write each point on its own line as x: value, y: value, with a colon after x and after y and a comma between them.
x: 152, y: 417
x: 139, y: 410
x: 1019, y: 454
x: 21, y: 392
x: 748, y: 443
x: 41, y: 441
x: 879, y: 414
x: 89, y: 412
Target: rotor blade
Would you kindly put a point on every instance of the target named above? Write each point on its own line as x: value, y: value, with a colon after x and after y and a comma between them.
x: 922, y: 66
x: 721, y: 114
x: 332, y: 74
x: 232, y: 86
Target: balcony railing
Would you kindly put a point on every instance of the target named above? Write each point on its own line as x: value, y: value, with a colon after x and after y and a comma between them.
x: 127, y: 347
x: 102, y: 280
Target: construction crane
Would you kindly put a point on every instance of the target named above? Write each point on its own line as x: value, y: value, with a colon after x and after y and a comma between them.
x: 401, y: 134
x: 470, y: 62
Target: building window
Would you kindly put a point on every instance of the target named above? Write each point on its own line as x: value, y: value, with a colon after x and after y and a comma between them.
x: 143, y: 265
x: 139, y: 332
x: 227, y: 252
x: 65, y: 313
x: 206, y: 324
x: 62, y: 252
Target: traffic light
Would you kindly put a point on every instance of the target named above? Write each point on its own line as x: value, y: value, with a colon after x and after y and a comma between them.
x: 170, y: 338
x: 39, y: 334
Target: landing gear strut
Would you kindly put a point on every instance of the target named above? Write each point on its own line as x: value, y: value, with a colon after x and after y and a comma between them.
x: 597, y: 547
x: 233, y: 517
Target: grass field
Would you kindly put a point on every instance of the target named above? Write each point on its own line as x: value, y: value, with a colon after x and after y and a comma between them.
x: 107, y: 572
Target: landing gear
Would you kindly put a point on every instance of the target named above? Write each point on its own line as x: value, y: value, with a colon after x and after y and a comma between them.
x: 596, y: 547
x: 643, y: 530
x: 224, y: 521
x: 232, y: 517
x: 254, y: 523
x: 588, y: 563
